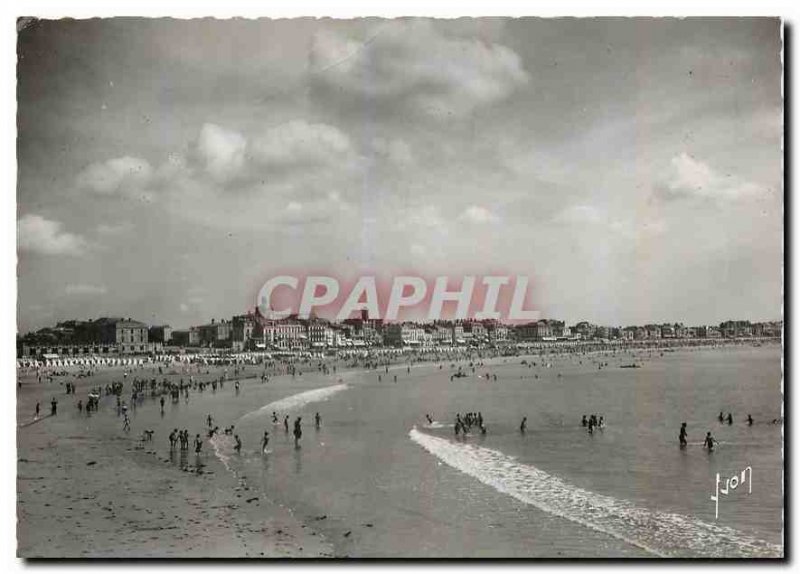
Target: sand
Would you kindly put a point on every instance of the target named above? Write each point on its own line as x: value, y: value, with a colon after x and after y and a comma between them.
x: 86, y: 491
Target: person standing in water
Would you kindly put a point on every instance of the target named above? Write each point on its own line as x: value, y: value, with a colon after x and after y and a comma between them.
x: 238, y: 446
x: 286, y: 423
x: 584, y: 422
x: 730, y: 419
x: 37, y: 410
x: 264, y: 441
x: 198, y: 444
x: 523, y: 425
x: 749, y: 419
x: 682, y: 435
x: 53, y: 406
x: 720, y: 417
x: 709, y: 442
x: 317, y: 420
x: 298, y: 432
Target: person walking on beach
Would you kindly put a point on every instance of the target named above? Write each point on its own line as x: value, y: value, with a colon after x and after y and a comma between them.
x: 709, y: 442
x: 298, y: 431
x: 53, y: 406
x: 238, y: 446
x: 264, y: 441
x: 682, y: 436
x: 317, y: 420
x: 523, y: 425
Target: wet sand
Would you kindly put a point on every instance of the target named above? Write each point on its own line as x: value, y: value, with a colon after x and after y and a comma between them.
x: 84, y: 489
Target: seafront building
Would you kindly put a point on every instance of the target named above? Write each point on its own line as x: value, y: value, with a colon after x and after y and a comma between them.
x: 253, y: 332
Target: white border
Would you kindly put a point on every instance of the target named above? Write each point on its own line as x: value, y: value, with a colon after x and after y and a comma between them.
x: 241, y: 8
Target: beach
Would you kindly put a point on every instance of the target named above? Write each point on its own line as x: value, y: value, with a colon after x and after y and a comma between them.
x: 376, y: 479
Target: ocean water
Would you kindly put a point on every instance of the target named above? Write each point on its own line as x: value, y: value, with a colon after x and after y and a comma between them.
x: 379, y: 481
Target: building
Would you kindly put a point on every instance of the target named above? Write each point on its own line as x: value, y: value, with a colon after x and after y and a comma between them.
x: 106, y: 335
x: 403, y: 334
x: 160, y: 333
x: 242, y: 332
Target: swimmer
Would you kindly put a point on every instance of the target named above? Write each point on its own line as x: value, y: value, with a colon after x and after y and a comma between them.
x: 430, y: 420
x: 709, y: 442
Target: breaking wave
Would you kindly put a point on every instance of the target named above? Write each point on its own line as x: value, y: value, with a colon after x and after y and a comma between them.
x: 299, y: 400
x: 659, y: 533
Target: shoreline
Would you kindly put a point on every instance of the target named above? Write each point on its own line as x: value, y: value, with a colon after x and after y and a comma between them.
x: 83, y: 490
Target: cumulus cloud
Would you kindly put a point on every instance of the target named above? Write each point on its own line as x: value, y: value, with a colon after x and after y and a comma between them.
x: 478, y: 214
x: 115, y: 176
x: 221, y: 152
x: 301, y: 143
x: 690, y: 177
x: 85, y: 289
x: 43, y: 236
x: 411, y: 62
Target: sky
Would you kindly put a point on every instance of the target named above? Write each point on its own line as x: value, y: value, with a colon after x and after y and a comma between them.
x: 631, y: 168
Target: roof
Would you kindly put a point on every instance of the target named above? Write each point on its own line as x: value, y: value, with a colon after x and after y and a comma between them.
x: 130, y: 323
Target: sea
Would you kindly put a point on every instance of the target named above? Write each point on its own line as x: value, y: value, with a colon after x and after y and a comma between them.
x: 378, y: 479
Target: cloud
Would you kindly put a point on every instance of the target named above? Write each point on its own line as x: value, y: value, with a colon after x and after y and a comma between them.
x: 115, y: 176
x: 412, y: 63
x: 85, y: 289
x: 478, y: 214
x: 221, y: 152
x: 43, y: 236
x: 299, y: 143
x: 689, y: 177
